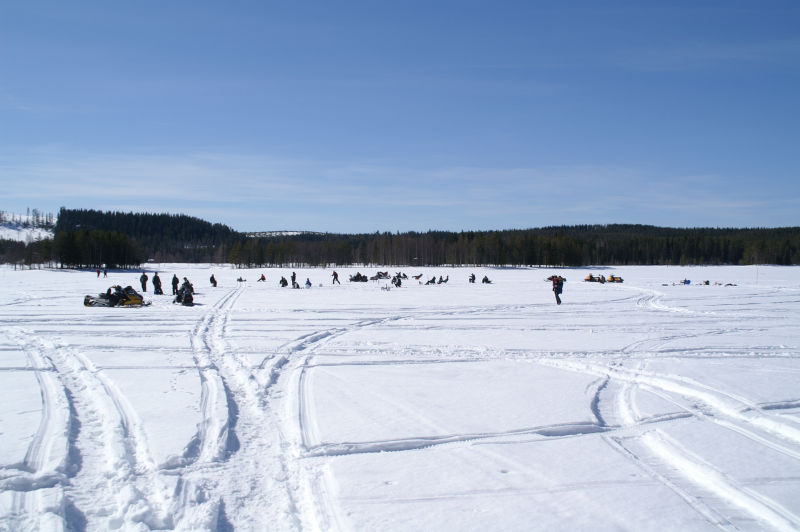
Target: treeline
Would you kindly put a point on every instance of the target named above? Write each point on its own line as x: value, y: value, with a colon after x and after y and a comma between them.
x: 89, y: 238
x: 159, y: 237
x: 28, y: 254
x: 96, y: 248
x: 550, y: 246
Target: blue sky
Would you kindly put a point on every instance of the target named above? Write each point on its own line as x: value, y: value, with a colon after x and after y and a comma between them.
x: 396, y: 116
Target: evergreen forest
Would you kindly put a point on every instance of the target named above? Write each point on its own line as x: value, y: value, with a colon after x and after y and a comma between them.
x: 91, y: 238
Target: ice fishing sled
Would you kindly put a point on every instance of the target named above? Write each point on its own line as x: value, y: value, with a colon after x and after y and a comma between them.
x: 116, y: 296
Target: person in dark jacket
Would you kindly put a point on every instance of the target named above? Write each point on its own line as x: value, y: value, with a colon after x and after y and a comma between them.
x: 175, y: 282
x: 212, y: 281
x: 558, y: 286
x: 143, y: 279
x: 157, y: 284
x: 335, y: 278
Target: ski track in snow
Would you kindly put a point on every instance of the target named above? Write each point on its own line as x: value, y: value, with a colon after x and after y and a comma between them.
x: 259, y: 459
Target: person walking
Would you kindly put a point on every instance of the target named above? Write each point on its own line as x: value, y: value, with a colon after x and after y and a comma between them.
x: 143, y: 279
x: 335, y: 277
x: 558, y: 286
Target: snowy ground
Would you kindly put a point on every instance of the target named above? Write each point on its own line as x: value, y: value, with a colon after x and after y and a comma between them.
x: 646, y: 405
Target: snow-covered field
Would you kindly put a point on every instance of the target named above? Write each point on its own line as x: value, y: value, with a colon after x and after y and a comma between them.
x: 644, y: 405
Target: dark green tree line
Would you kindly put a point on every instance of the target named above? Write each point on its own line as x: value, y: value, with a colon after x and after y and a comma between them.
x: 91, y: 238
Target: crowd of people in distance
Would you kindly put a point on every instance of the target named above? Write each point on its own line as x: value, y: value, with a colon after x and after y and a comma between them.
x: 184, y: 292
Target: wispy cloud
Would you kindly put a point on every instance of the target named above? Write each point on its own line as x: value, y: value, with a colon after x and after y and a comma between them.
x: 253, y: 192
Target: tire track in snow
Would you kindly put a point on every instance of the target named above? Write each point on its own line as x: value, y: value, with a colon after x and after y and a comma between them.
x: 113, y: 450
x: 211, y: 441
x: 318, y: 508
x: 197, y: 504
x: 691, y: 477
x: 722, y: 403
x: 256, y: 482
x: 38, y: 482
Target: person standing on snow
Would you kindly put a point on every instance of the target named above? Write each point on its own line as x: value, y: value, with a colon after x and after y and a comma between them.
x: 157, y: 284
x: 143, y: 279
x: 175, y: 282
x: 213, y: 281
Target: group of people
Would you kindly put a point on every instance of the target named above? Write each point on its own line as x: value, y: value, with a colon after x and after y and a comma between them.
x: 157, y: 290
x: 186, y: 290
x: 284, y: 283
x: 183, y: 292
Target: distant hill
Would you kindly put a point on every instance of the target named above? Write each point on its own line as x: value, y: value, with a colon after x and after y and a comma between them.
x: 26, y: 227
x: 158, y: 237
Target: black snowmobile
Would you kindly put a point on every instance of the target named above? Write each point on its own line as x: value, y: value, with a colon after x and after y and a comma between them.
x: 116, y: 296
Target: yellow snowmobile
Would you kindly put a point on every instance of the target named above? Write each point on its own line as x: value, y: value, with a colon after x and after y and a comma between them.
x: 116, y: 296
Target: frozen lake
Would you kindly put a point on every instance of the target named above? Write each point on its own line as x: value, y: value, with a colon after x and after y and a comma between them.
x: 646, y: 405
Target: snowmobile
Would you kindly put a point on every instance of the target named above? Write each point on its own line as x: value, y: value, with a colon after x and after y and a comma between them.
x: 614, y: 279
x: 116, y: 296
x: 358, y: 278
x: 592, y: 279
